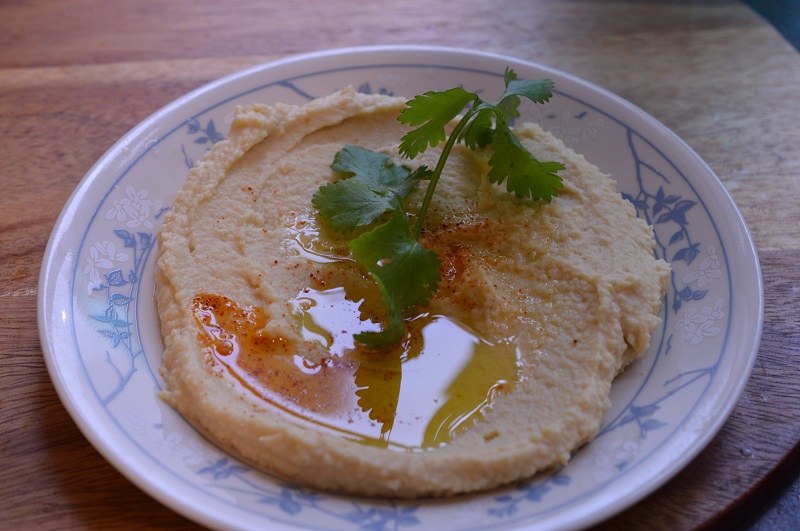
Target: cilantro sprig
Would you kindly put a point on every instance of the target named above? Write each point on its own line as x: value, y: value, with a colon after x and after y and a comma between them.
x: 373, y: 188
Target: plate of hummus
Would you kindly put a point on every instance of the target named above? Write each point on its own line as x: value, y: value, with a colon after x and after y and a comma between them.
x: 201, y: 322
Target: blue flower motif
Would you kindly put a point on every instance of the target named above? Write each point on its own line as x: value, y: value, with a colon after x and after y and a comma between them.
x: 119, y: 289
x: 381, y: 519
x: 531, y: 492
x: 223, y: 468
x: 208, y: 134
x: 365, y: 88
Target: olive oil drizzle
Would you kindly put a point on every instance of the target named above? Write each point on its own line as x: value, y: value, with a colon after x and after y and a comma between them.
x: 416, y: 396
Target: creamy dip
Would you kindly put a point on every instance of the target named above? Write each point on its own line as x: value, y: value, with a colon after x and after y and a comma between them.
x: 506, y: 371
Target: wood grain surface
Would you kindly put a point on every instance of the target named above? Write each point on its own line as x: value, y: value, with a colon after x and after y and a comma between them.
x: 76, y: 75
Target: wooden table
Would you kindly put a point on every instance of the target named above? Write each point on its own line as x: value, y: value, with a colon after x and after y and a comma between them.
x: 75, y: 75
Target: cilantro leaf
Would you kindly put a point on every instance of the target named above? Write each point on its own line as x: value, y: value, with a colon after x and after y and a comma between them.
x: 431, y: 111
x: 479, y: 132
x: 351, y: 203
x: 406, y: 273
x: 371, y: 187
x: 508, y: 104
x: 527, y: 177
x: 537, y: 90
x: 509, y: 75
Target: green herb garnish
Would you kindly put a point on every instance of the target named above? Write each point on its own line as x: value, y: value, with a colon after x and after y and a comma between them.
x: 406, y: 272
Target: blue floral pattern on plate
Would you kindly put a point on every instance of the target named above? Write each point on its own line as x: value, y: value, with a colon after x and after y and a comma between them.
x: 666, y: 402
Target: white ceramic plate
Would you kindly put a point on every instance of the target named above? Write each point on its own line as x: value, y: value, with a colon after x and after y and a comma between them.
x: 101, y: 341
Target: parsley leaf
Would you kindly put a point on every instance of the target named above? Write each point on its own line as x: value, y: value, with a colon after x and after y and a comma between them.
x: 406, y: 273
x: 371, y: 187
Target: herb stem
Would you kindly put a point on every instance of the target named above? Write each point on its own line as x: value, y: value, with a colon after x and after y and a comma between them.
x: 437, y: 172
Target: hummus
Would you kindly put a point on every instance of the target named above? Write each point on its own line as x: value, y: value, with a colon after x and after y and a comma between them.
x: 505, y: 372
